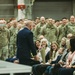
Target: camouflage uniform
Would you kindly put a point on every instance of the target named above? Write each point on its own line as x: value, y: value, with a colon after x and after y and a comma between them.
x: 70, y: 28
x: 13, y: 36
x: 4, y: 36
x: 50, y: 32
x: 38, y: 28
x: 62, y: 32
x: 33, y: 30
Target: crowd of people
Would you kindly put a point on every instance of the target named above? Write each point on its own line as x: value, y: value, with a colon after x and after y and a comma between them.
x: 45, y: 44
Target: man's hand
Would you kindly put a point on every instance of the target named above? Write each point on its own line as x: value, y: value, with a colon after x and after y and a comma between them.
x: 36, y: 58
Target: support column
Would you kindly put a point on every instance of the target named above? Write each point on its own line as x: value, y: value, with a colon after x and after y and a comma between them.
x: 74, y: 7
x: 21, y: 9
x: 29, y: 4
x: 29, y: 12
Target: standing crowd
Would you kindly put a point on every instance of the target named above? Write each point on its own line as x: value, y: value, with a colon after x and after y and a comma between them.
x: 54, y: 42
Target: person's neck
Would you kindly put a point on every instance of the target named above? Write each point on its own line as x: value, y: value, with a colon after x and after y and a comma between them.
x: 27, y: 27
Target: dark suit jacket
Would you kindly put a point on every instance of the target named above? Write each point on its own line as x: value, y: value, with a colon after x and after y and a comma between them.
x: 25, y: 45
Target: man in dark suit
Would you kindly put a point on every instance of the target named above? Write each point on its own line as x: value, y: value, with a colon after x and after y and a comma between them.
x: 25, y: 45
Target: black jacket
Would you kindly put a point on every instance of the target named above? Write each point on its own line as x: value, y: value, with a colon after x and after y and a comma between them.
x: 25, y: 44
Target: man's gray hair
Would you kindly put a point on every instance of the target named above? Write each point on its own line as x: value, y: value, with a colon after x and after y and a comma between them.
x: 28, y: 23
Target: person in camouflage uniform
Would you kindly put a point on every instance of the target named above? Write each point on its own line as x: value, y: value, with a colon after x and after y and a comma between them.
x: 13, y: 34
x: 4, y: 40
x: 39, y: 26
x: 70, y: 27
x: 49, y: 31
x: 37, y: 20
x: 62, y: 30
x: 33, y: 30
